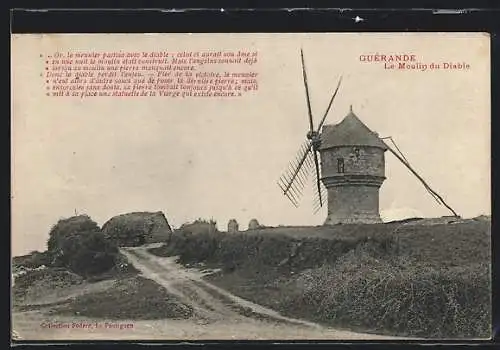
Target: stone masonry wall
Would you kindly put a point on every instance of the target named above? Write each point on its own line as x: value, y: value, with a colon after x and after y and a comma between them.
x: 370, y: 161
x: 357, y: 200
x: 353, y: 204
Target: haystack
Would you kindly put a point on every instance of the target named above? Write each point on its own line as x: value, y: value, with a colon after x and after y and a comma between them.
x: 138, y: 228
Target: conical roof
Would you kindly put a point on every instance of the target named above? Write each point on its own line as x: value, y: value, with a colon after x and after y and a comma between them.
x: 349, y: 132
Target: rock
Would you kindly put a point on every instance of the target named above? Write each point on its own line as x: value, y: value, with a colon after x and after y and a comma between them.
x: 138, y: 228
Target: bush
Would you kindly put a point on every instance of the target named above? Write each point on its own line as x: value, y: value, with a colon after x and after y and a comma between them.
x: 67, y: 227
x: 32, y: 260
x: 77, y: 244
x: 89, y: 253
x: 122, y: 269
x: 199, y: 226
x: 405, y: 280
x: 231, y: 251
x: 398, y: 296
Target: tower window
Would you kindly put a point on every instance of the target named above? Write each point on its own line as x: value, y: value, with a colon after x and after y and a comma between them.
x: 356, y: 152
x: 340, y: 165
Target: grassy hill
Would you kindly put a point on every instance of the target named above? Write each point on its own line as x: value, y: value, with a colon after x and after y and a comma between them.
x: 428, y: 278
x: 83, y: 273
x: 442, y: 243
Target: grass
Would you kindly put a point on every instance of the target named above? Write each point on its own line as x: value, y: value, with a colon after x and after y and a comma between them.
x: 408, y: 280
x: 396, y: 296
x: 440, y: 245
x: 130, y: 298
x: 33, y: 260
x: 60, y: 277
x: 448, y: 244
x: 53, y: 278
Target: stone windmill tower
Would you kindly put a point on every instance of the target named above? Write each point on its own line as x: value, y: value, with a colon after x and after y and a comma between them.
x: 352, y: 167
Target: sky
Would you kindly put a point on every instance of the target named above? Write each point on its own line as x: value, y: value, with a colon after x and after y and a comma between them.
x: 220, y: 158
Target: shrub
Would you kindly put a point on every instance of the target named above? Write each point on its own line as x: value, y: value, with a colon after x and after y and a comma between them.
x: 405, y: 280
x: 89, y: 253
x: 232, y: 251
x: 77, y: 244
x: 32, y: 260
x: 67, y: 227
x: 199, y: 226
x: 398, y: 295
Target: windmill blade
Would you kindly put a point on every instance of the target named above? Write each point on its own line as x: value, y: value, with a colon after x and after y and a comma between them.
x: 309, y: 162
x: 403, y: 159
x: 296, y: 169
x: 318, y: 180
x: 304, y: 74
x: 316, y: 203
x: 292, y: 182
x: 397, y: 148
x: 288, y: 195
x: 427, y: 187
x: 329, y: 105
x: 291, y: 194
x: 296, y: 175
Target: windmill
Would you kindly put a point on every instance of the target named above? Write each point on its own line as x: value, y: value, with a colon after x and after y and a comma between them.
x: 348, y: 162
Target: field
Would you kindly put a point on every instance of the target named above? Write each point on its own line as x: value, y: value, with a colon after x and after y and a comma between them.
x: 417, y: 278
x: 413, y: 279
x: 120, y: 296
x: 166, y: 301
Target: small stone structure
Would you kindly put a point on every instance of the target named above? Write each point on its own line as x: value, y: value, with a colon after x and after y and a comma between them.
x: 254, y: 225
x: 232, y: 226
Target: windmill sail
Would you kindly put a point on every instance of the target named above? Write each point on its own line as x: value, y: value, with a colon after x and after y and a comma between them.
x: 403, y: 160
x: 329, y: 105
x: 308, y: 100
x: 318, y: 177
x: 293, y: 181
x: 317, y: 205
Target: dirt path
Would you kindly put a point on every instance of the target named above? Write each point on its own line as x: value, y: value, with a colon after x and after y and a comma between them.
x: 208, y: 300
x: 217, y: 305
x: 219, y: 315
